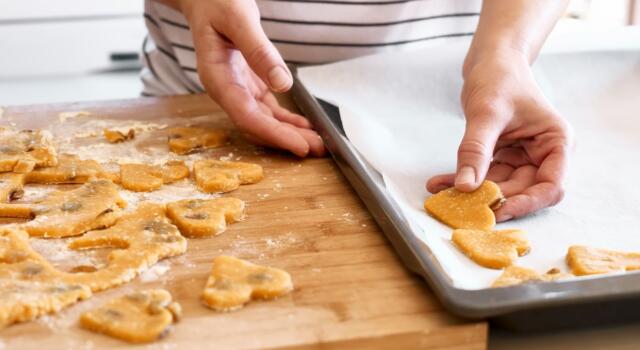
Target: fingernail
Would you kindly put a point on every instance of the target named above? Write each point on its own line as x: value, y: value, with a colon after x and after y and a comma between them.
x: 279, y: 79
x: 465, y: 176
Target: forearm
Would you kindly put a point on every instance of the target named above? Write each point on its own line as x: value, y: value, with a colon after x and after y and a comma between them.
x: 518, y: 26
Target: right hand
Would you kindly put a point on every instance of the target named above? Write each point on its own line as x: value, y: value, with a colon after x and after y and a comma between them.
x: 239, y: 67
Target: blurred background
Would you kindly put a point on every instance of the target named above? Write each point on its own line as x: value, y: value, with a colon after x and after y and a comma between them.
x: 80, y: 50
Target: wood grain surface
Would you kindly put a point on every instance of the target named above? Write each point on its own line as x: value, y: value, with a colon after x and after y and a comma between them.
x: 351, y: 291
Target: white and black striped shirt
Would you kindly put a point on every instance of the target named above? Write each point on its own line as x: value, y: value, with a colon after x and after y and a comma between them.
x: 308, y: 32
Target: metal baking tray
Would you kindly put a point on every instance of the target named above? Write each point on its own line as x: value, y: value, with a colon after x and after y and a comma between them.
x: 533, y: 306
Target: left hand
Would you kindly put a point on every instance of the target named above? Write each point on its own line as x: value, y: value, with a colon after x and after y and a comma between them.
x: 513, y: 136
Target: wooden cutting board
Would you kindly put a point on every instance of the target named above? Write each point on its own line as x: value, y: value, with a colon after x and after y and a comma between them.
x: 351, y: 290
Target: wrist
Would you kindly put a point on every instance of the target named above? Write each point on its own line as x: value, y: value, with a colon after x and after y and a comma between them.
x: 496, y: 54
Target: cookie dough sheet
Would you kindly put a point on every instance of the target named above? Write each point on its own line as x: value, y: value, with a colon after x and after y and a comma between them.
x: 401, y: 111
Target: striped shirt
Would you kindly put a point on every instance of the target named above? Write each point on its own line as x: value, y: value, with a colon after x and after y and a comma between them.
x: 307, y: 32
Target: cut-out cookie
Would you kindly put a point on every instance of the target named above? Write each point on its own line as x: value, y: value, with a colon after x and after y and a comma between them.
x: 29, y: 285
x: 115, y: 136
x: 11, y: 186
x: 591, y: 261
x: 95, y: 204
x: 22, y: 151
x: 143, y: 238
x: 187, y: 140
x: 144, y: 178
x: 473, y: 210
x: 514, y: 275
x: 70, y: 170
x: 492, y: 249
x: 140, y: 317
x: 202, y: 217
x: 222, y: 176
x: 234, y: 282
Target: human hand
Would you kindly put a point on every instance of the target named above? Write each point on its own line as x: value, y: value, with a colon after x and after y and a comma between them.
x: 238, y: 67
x: 513, y: 137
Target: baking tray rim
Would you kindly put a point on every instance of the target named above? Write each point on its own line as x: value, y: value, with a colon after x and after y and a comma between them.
x: 469, y: 303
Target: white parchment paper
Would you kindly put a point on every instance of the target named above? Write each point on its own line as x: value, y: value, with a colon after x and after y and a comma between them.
x: 401, y: 111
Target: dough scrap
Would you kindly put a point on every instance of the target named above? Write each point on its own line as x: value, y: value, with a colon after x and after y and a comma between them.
x: 115, y: 136
x: 202, y: 217
x: 471, y: 210
x: 514, y: 275
x: 70, y: 170
x: 29, y: 285
x: 139, y: 317
x: 145, y: 178
x: 234, y: 282
x: 184, y: 140
x: 223, y: 176
x: 96, y: 204
x: 22, y: 151
x: 591, y: 261
x: 11, y: 186
x: 143, y: 238
x: 492, y: 249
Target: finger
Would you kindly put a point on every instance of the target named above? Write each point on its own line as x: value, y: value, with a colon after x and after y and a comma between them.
x: 219, y: 72
x: 440, y: 182
x: 516, y: 157
x: 284, y: 114
x: 316, y: 145
x: 499, y: 172
x: 520, y: 179
x: 242, y: 26
x: 539, y: 196
x: 475, y: 151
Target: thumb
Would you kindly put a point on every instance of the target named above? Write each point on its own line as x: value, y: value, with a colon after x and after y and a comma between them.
x: 475, y: 152
x: 246, y: 33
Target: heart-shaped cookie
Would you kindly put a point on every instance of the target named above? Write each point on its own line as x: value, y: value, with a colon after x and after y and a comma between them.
x: 183, y: 140
x: 492, y: 249
x: 224, y: 176
x: 145, y: 177
x: 139, y: 317
x: 472, y: 210
x: 514, y: 275
x: 591, y: 261
x: 234, y: 282
x: 205, y: 217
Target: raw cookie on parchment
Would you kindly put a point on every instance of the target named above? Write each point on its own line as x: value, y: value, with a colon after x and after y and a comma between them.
x: 591, y: 261
x: 468, y: 210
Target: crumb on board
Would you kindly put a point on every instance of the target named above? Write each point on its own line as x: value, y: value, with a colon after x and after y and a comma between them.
x: 64, y: 116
